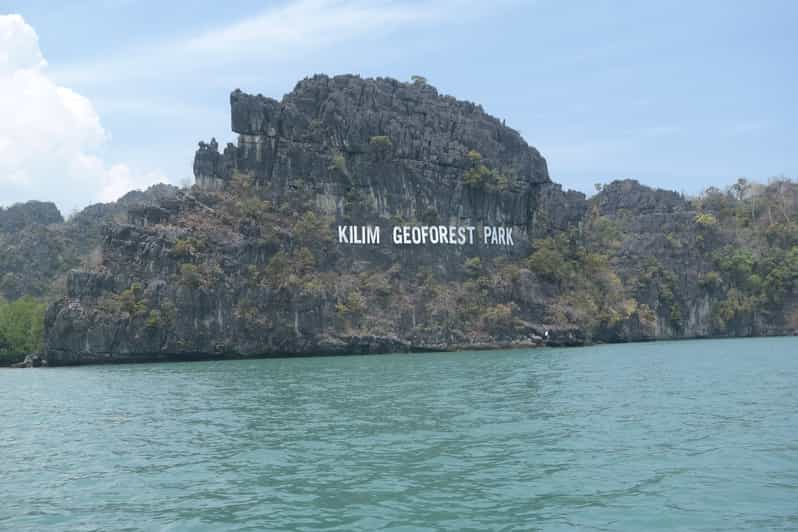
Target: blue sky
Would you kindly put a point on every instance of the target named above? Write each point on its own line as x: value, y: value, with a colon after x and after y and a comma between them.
x: 680, y: 95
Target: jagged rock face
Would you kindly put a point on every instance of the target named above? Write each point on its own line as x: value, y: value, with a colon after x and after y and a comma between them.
x: 401, y: 148
x: 32, y: 258
x: 359, y: 151
x: 22, y: 215
x: 201, y: 283
x: 234, y: 269
x: 32, y: 249
x: 663, y: 236
x: 557, y: 210
x: 660, y: 227
x: 38, y: 248
x: 630, y: 196
x: 228, y: 313
x: 212, y: 169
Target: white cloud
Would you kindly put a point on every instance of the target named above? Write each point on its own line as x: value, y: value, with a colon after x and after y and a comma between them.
x: 284, y: 33
x: 306, y: 23
x: 49, y: 134
x: 19, y: 45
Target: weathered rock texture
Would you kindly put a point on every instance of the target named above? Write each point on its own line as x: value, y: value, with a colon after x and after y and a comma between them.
x: 395, y: 149
x: 22, y: 215
x: 38, y: 247
x: 246, y: 263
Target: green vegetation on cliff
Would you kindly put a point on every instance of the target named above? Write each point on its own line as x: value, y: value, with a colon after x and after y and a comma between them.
x: 237, y: 271
x: 21, y: 325
x: 246, y: 262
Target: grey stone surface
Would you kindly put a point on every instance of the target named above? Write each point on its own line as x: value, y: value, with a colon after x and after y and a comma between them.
x: 185, y: 274
x: 401, y: 147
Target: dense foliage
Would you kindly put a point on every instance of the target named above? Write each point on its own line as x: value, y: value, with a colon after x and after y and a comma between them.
x: 756, y: 268
x: 21, y: 324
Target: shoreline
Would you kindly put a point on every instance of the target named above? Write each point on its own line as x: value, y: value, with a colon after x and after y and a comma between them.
x: 421, y: 349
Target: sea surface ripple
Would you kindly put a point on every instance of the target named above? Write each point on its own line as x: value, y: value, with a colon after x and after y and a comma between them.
x: 692, y: 435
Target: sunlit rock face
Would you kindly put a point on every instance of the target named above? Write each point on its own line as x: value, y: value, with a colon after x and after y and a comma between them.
x: 368, y: 215
x: 400, y: 149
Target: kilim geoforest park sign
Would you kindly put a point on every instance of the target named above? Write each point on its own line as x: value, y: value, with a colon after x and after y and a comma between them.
x: 427, y: 234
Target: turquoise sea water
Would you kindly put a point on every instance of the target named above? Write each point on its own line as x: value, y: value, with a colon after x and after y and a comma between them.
x: 698, y: 435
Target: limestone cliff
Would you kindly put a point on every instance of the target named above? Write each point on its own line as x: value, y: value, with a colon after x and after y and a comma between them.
x: 39, y: 247
x: 379, y: 149
x: 247, y: 262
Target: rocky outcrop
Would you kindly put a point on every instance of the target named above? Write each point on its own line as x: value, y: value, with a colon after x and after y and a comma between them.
x: 212, y: 170
x: 247, y: 263
x: 557, y: 210
x: 22, y: 215
x: 31, y: 361
x: 39, y: 247
x: 400, y: 150
x: 629, y: 196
